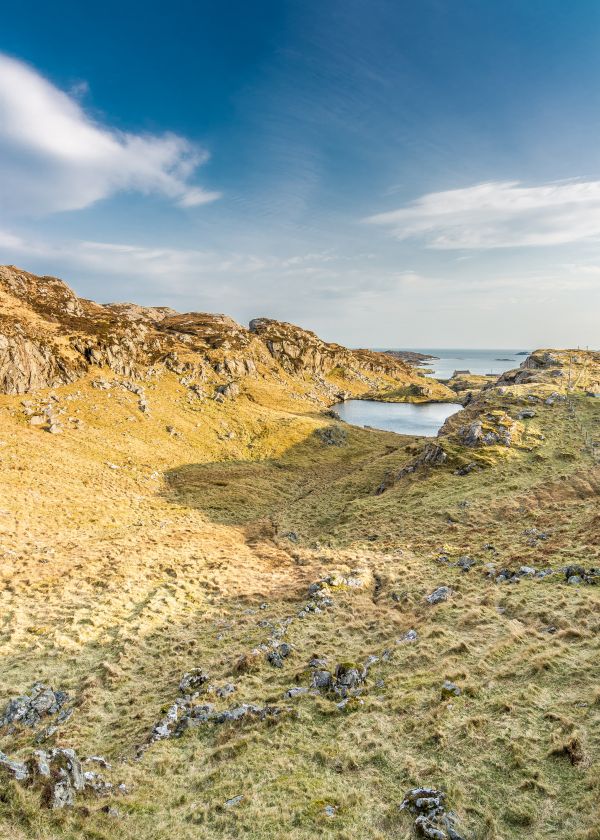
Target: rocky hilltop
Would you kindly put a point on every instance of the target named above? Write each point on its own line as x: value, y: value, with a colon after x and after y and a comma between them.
x: 51, y: 337
x: 225, y: 613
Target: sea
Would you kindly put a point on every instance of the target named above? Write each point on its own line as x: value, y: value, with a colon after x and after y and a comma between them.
x: 480, y: 361
x: 427, y: 418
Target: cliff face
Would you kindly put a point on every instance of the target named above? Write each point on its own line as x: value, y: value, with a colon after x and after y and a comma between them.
x: 49, y: 337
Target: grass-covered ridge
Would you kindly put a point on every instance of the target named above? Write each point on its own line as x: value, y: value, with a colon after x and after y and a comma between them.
x: 133, y: 553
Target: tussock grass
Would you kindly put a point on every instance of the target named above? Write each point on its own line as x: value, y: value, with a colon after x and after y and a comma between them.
x: 117, y: 581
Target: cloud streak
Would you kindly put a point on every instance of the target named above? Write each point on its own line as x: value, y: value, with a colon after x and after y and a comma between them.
x: 55, y: 157
x: 499, y: 214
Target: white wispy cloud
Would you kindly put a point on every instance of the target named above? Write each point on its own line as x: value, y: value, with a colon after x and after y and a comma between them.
x: 54, y: 156
x: 191, y: 277
x: 499, y: 214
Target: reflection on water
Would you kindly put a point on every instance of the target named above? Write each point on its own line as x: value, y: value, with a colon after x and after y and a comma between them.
x: 403, y: 418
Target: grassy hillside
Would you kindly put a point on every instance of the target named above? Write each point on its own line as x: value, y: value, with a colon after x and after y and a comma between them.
x: 136, y: 547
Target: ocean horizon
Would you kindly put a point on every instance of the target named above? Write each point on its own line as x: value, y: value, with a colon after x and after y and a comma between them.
x: 483, y: 360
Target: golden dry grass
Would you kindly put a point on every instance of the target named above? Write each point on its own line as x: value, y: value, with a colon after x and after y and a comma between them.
x: 117, y: 581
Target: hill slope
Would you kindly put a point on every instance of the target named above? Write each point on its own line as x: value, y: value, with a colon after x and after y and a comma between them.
x: 174, y: 522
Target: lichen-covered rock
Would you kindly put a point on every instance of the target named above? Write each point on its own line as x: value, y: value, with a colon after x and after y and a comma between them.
x: 432, y: 820
x: 29, y: 709
x: 193, y: 681
x: 15, y: 769
x: 439, y: 595
x: 333, y: 436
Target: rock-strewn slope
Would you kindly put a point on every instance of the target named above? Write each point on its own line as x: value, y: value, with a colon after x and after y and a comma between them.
x: 50, y: 337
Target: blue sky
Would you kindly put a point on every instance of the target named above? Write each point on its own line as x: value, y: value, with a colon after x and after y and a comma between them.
x: 384, y: 172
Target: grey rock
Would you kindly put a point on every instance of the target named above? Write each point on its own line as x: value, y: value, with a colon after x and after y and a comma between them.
x: 229, y: 391
x: 465, y: 563
x: 296, y: 691
x: 95, y: 783
x: 274, y: 659
x: 333, y: 436
x: 322, y: 680
x: 225, y: 690
x: 16, y: 769
x: 450, y: 689
x: 442, y: 593
x: 466, y: 469
x: 574, y: 571
x: 193, y: 681
x: 28, y: 710
x: 472, y: 434
x: 432, y: 821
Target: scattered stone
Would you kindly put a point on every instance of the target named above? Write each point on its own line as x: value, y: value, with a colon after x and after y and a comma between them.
x: 535, y: 534
x: 576, y: 574
x: 333, y: 436
x: 16, y: 769
x: 98, y: 759
x: 409, y: 636
x: 276, y: 656
x: 329, y: 811
x: 526, y: 414
x: 37, y: 420
x: 193, y: 681
x: 466, y: 469
x: 62, y: 777
x: 320, y: 591
x: 348, y: 676
x: 296, y: 691
x: 185, y: 712
x: 442, y: 593
x: 450, y: 689
x: 229, y: 391
x: 431, y: 818
x: 235, y: 800
x: 28, y: 710
x: 465, y: 563
x: 507, y: 576
x: 322, y: 680
x: 225, y: 690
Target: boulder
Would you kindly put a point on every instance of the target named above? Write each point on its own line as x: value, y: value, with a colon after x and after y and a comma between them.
x: 442, y: 593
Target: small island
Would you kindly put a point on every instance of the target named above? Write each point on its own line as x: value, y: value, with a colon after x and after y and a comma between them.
x: 411, y: 357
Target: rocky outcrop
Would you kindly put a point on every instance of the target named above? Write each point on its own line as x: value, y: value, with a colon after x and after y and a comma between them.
x: 567, y: 369
x: 297, y: 349
x: 26, y: 365
x: 51, y: 337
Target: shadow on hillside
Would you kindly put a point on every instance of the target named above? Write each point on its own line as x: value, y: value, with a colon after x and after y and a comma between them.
x: 317, y: 474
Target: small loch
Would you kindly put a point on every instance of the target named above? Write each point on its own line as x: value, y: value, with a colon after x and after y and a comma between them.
x: 403, y: 418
